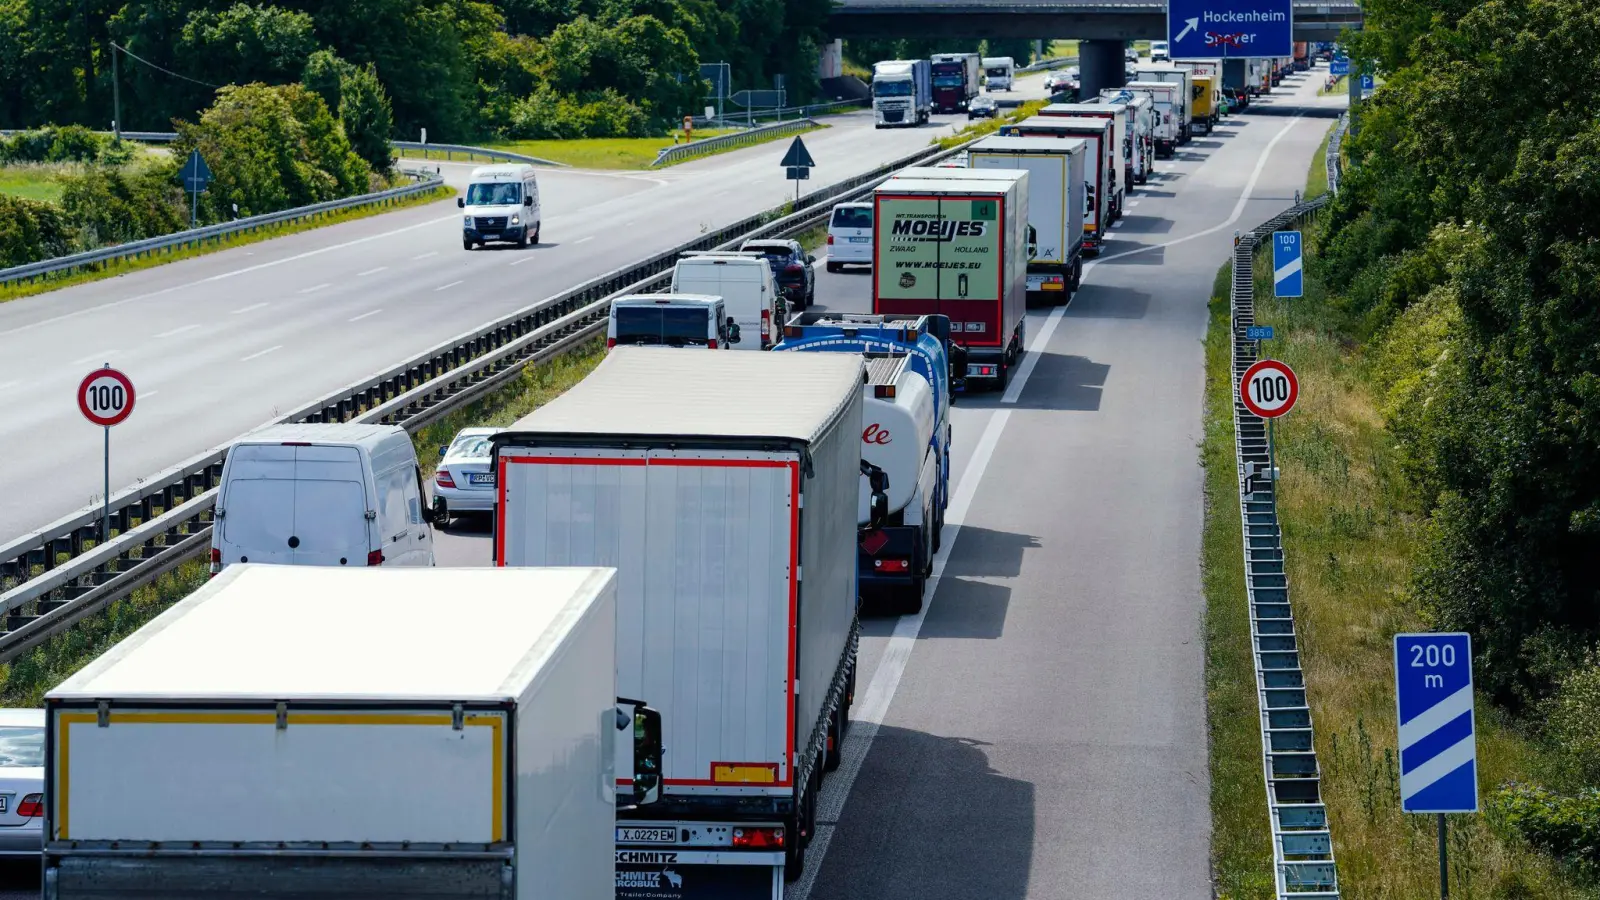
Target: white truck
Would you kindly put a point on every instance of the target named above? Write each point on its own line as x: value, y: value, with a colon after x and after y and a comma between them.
x: 1057, y: 203
x: 1121, y: 139
x: 999, y: 73
x: 1141, y: 120
x: 1167, y: 114
x: 1183, y: 98
x: 902, y: 92
x: 711, y: 481
x: 307, y: 732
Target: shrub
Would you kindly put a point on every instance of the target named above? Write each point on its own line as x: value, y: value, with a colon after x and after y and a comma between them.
x: 549, y: 115
x: 53, y: 144
x: 1566, y: 827
x: 31, y: 231
x: 1572, y: 720
x: 112, y: 207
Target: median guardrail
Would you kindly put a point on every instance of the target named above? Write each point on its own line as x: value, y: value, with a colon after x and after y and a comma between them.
x: 207, y: 234
x: 1302, y: 845
x: 1054, y: 62
x: 472, y: 153
x: 55, y: 576
x: 1335, y: 154
x: 707, y: 146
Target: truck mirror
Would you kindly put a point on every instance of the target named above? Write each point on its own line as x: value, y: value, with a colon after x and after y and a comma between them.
x: 527, y: 201
x: 443, y: 450
x: 461, y: 203
x: 647, y: 754
x: 733, y: 331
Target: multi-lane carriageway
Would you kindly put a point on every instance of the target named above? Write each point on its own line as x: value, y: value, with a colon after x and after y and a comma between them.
x: 1039, y: 730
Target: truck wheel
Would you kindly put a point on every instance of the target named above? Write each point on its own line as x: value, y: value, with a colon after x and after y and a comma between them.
x: 1005, y: 374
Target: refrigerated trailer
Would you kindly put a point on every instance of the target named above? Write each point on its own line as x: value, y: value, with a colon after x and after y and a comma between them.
x: 1057, y: 202
x: 1099, y: 169
x: 723, y: 488
x: 311, y: 732
x: 1183, y: 97
x: 1121, y: 143
x: 1167, y: 110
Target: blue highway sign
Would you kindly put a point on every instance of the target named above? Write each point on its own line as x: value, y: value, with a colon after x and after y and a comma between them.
x: 1219, y: 29
x: 1438, y: 746
x: 1288, y: 275
x: 1367, y: 83
x: 1339, y: 67
x: 195, y: 174
x: 1258, y: 333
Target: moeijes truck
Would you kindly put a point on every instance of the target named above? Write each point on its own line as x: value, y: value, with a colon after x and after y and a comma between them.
x: 954, y: 242
x: 723, y: 489
x: 1099, y: 168
x: 955, y: 80
x: 313, y: 732
x: 902, y: 92
x: 1057, y: 203
x: 905, y: 400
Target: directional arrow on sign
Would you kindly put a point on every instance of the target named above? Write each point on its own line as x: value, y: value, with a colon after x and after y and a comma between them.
x: 1190, y: 25
x: 1228, y: 29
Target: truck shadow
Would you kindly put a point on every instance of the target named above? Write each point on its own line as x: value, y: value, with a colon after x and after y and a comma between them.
x: 968, y: 609
x: 1189, y: 156
x: 1207, y: 144
x: 1116, y: 252
x: 1132, y: 224
x: 1104, y: 301
x: 1065, y: 383
x: 979, y: 848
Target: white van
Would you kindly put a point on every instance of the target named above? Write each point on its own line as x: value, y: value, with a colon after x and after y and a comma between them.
x: 744, y: 282
x: 849, y: 235
x: 322, y: 495
x: 502, y: 204
x: 671, y: 320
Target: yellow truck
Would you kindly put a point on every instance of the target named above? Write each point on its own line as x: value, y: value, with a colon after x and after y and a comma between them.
x: 1207, y: 103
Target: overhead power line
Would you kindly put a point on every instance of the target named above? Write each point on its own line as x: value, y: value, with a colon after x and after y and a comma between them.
x: 130, y: 54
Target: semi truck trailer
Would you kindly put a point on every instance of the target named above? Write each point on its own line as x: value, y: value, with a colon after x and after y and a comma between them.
x: 953, y: 242
x: 1121, y: 144
x: 723, y: 487
x: 1183, y: 98
x: 902, y: 93
x: 1099, y: 168
x: 1141, y: 128
x: 309, y: 732
x: 1057, y: 202
x: 955, y: 80
x: 1168, y: 109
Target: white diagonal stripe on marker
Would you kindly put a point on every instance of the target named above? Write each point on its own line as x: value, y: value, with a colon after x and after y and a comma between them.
x: 1423, y: 776
x: 1435, y: 717
x: 1293, y: 268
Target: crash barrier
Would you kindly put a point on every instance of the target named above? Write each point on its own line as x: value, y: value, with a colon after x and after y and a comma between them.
x: 707, y: 146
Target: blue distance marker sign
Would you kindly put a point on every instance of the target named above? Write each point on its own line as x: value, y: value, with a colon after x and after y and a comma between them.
x: 1222, y: 29
x: 1288, y: 275
x: 1258, y: 333
x: 1438, y: 745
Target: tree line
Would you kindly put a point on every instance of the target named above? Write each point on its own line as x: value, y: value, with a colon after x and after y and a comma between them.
x: 463, y: 69
x: 1465, y: 242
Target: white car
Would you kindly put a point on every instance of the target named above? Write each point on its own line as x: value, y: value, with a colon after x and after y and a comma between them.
x: 1159, y: 51
x: 465, y: 480
x: 21, y: 782
x: 850, y: 235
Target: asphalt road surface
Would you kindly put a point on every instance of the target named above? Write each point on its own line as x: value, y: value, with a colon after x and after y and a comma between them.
x: 224, y: 343
x: 1039, y: 731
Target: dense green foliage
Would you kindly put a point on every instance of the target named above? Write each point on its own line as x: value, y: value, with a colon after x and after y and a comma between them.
x: 30, y: 230
x: 1464, y: 239
x: 462, y: 69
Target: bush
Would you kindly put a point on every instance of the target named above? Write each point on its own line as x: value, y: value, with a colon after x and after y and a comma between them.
x: 112, y: 207
x: 31, y: 231
x: 52, y: 144
x: 1572, y: 720
x: 547, y: 115
x: 1566, y: 827
x: 364, y: 111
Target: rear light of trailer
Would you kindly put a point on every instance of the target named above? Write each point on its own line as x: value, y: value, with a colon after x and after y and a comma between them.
x: 375, y: 558
x: 892, y: 566
x: 758, y: 838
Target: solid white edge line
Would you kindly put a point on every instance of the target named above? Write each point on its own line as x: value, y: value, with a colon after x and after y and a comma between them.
x: 874, y: 705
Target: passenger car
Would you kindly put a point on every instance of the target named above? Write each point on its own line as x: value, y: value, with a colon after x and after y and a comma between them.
x: 849, y: 235
x: 982, y: 108
x: 465, y: 480
x: 21, y: 782
x: 792, y: 267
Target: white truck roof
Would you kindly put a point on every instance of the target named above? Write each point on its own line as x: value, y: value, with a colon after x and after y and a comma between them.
x: 352, y: 433
x: 260, y: 632
x: 1047, y: 145
x: 666, y: 392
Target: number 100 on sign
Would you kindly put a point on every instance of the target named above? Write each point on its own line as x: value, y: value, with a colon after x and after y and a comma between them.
x: 105, y: 397
x: 1268, y: 389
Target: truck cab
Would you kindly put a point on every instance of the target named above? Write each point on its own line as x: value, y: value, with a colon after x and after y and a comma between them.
x: 902, y: 93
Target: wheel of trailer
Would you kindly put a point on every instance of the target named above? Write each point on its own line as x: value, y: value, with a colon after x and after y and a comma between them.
x: 1005, y: 373
x: 911, y: 604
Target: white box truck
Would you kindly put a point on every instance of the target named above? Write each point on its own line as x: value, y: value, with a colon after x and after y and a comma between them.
x: 1183, y: 98
x: 300, y: 732
x: 1057, y: 202
x: 1099, y: 168
x: 902, y: 92
x: 723, y: 488
x: 1141, y: 128
x: 1121, y: 142
x: 1168, y: 113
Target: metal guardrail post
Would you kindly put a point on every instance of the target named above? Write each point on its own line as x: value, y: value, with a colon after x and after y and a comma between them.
x: 1334, y: 157
x: 1302, y: 846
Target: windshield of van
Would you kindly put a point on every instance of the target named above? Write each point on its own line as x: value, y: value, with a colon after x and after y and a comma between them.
x: 494, y: 193
x: 675, y: 326
x: 852, y: 217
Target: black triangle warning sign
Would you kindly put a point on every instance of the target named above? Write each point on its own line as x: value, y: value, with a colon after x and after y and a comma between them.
x: 797, y: 157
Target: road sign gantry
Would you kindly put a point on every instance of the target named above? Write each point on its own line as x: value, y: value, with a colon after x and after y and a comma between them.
x: 1230, y: 29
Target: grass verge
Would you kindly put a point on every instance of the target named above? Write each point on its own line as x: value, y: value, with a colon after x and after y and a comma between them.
x: 990, y: 126
x: 26, y: 680
x: 30, y: 183
x: 124, y: 266
x: 613, y: 153
x: 1317, y: 175
x: 1340, y: 86
x: 1351, y: 536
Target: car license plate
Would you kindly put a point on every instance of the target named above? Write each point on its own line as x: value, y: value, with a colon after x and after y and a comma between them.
x: 5, y: 803
x: 491, y: 236
x: 480, y: 478
x: 647, y: 835
x: 858, y: 240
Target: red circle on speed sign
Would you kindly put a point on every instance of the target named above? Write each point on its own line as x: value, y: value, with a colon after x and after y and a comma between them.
x: 1269, y: 389
x: 105, y: 397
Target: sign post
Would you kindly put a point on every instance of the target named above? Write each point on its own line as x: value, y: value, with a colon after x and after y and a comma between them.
x: 105, y: 397
x: 1288, y: 266
x: 1268, y: 390
x: 1438, y: 734
x: 797, y: 163
x: 1224, y: 29
x: 196, y: 175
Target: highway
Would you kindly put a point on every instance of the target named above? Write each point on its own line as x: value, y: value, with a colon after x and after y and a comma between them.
x: 1039, y: 730
x: 220, y: 344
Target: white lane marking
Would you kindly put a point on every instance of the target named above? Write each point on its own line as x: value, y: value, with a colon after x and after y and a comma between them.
x: 314, y: 288
x: 177, y: 331
x: 446, y: 286
x: 244, y: 271
x: 146, y: 395
x: 873, y: 707
x: 426, y: 255
x: 524, y: 259
x: 245, y: 309
x: 103, y: 355
x: 1133, y: 204
x: 259, y: 354
x: 584, y: 240
x: 366, y: 314
x: 371, y: 272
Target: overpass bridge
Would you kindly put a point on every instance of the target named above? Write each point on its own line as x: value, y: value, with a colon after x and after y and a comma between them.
x: 1105, y: 20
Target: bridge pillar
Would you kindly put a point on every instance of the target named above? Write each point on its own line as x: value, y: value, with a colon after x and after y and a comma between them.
x: 1100, y: 66
x: 830, y: 62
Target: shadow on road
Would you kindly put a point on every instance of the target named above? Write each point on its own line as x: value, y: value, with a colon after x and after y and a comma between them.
x: 1109, y: 302
x: 986, y: 553
x: 1153, y: 255
x: 1132, y: 224
x: 1064, y: 383
x: 980, y: 849
x: 969, y: 610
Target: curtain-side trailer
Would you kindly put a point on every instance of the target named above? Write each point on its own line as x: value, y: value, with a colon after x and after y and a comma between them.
x: 310, y: 733
x: 723, y: 488
x: 1056, y: 206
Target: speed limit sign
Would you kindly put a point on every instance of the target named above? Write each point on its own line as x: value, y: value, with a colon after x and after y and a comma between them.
x: 105, y: 397
x: 1268, y: 389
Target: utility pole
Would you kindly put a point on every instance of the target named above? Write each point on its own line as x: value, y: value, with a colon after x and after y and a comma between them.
x: 116, y: 98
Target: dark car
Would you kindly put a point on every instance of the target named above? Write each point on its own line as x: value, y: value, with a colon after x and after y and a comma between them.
x: 791, y: 268
x: 982, y: 108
